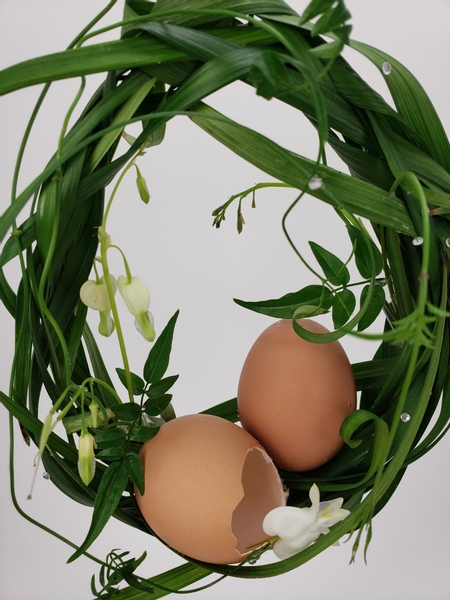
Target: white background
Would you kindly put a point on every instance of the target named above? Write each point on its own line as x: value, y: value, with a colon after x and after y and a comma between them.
x: 191, y: 266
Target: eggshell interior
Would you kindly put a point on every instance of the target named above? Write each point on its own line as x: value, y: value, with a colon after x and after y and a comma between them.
x: 208, y: 486
x: 293, y: 395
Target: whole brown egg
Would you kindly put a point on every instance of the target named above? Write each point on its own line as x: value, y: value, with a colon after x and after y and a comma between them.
x: 208, y: 486
x: 293, y: 395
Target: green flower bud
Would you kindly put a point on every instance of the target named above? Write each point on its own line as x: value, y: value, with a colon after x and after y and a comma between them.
x: 106, y: 325
x: 94, y: 419
x: 142, y: 186
x: 86, y: 458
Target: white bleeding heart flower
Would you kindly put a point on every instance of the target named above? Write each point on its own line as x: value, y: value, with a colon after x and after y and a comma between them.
x: 297, y: 528
x: 95, y: 294
x: 135, y: 293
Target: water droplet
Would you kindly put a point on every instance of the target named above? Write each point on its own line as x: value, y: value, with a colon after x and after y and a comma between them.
x: 447, y: 242
x: 386, y: 68
x: 46, y: 476
x: 253, y: 561
x: 417, y: 241
x: 315, y: 183
x: 405, y: 417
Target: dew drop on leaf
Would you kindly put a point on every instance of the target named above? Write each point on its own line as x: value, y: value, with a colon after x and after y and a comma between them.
x: 386, y: 68
x: 315, y: 183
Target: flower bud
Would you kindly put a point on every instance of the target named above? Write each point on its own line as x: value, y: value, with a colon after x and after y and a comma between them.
x: 106, y: 325
x: 86, y: 458
x: 95, y: 294
x: 94, y: 419
x: 142, y: 186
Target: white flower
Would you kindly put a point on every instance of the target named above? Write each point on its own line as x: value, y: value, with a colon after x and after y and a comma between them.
x: 135, y: 293
x: 95, y: 294
x: 137, y: 298
x: 298, y: 528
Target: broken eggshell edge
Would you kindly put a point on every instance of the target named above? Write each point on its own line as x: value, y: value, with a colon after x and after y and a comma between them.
x: 209, y: 484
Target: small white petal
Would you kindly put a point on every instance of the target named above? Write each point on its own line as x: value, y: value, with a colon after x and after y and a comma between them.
x: 288, y: 522
x: 95, y: 295
x: 286, y: 548
x: 314, y: 496
x: 331, y: 512
x: 135, y: 293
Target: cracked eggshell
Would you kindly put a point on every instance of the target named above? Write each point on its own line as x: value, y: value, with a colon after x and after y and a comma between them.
x: 208, y: 486
x: 293, y: 395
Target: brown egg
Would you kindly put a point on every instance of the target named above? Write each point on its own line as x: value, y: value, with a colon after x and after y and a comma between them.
x: 293, y: 395
x: 208, y: 486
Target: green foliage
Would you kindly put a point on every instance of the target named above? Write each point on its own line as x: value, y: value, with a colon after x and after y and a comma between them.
x: 172, y: 54
x: 317, y: 297
x: 334, y: 269
x: 158, y: 358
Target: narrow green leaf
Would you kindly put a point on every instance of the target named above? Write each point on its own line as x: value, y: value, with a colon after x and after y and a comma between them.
x: 375, y: 307
x: 142, y: 433
x: 343, y: 306
x: 85, y: 60
x: 265, y: 74
x: 161, y: 387
x: 110, y: 438
x: 332, y: 19
x: 413, y: 104
x: 129, y: 411
x: 334, y: 269
x: 190, y: 18
x: 110, y: 490
x: 284, y: 307
x: 158, y: 358
x: 137, y: 383
x: 155, y: 407
x: 353, y: 422
x: 27, y: 235
x: 135, y: 470
x: 329, y: 50
x: 113, y: 453
x: 365, y: 266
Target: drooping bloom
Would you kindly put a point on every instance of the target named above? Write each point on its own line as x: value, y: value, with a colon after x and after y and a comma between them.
x: 298, y: 528
x: 86, y: 458
x: 95, y: 295
x: 137, y: 298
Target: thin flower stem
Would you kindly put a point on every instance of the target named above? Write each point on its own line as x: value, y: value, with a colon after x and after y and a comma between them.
x: 18, y: 507
x: 290, y: 241
x: 104, y: 246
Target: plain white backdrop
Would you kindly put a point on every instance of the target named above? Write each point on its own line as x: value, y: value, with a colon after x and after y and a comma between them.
x: 191, y: 266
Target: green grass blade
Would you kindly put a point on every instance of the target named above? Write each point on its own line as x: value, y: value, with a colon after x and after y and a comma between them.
x: 413, y: 104
x: 338, y: 189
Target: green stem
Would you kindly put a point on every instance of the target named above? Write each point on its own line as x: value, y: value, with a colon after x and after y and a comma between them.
x: 19, y: 509
x: 104, y: 246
